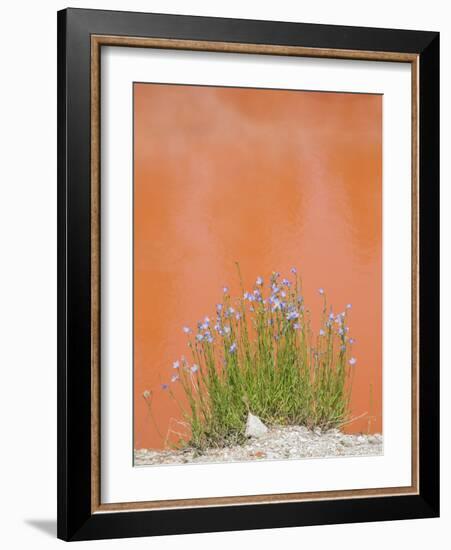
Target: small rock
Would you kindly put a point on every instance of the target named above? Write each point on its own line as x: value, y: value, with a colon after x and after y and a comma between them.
x: 258, y: 454
x: 317, y: 431
x: 254, y: 426
x: 361, y: 439
x: 373, y: 440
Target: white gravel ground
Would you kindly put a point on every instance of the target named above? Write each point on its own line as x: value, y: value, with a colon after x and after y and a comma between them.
x: 279, y: 443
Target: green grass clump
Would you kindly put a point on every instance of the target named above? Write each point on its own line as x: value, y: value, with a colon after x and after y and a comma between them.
x: 258, y: 354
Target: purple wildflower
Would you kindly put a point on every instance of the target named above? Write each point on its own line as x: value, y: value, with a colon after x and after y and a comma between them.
x: 257, y: 295
x: 293, y: 270
x: 176, y: 365
x: 259, y: 281
x: 230, y: 311
x: 187, y: 330
x: 352, y: 361
x: 232, y: 348
x: 194, y: 368
x: 174, y: 378
x: 292, y: 315
x: 164, y: 386
x: 321, y: 291
x: 225, y: 289
x: 321, y: 332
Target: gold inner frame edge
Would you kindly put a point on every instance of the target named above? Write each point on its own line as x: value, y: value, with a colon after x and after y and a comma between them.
x: 97, y: 41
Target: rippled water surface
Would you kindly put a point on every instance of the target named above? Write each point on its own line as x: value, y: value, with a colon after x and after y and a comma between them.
x: 271, y: 179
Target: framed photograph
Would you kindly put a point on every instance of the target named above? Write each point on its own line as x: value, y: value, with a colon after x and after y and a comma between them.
x: 248, y: 274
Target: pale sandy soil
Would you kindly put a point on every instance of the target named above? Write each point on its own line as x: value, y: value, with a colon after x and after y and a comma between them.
x: 293, y: 442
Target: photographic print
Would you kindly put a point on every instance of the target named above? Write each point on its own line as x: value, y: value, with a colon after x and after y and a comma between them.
x: 257, y: 260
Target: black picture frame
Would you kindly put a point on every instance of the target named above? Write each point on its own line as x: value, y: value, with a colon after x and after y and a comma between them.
x: 76, y: 520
